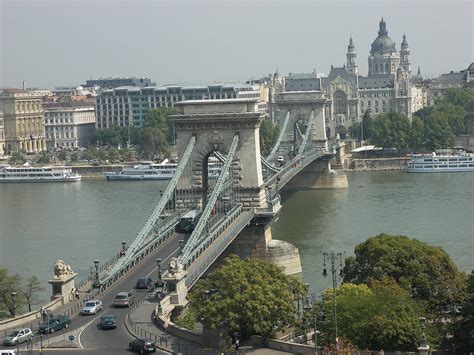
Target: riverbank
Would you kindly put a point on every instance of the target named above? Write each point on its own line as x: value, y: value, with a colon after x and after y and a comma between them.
x: 375, y: 164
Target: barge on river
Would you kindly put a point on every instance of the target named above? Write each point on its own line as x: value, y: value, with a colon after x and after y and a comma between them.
x: 441, y: 163
x: 37, y: 174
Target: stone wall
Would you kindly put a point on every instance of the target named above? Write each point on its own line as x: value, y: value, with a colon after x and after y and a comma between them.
x: 375, y: 164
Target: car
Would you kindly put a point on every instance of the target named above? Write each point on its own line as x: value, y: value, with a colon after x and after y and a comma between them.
x: 143, y: 283
x: 142, y: 345
x: 18, y: 336
x: 124, y: 299
x: 281, y: 160
x: 55, y: 323
x: 91, y: 307
x: 108, y: 322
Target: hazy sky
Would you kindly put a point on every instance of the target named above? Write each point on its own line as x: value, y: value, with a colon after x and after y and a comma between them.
x: 55, y: 43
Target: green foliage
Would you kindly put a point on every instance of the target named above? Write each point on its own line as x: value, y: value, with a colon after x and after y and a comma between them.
x: 416, y: 139
x: 43, y: 158
x: 62, y: 155
x: 187, y: 320
x: 157, y: 120
x: 74, y: 157
x: 248, y: 296
x: 10, y: 283
x: 17, y: 157
x: 426, y: 272
x: 391, y: 131
x: 269, y: 132
x: 377, y: 316
x: 355, y: 131
x: 367, y: 124
x: 464, y: 325
x: 438, y: 133
x: 381, y: 135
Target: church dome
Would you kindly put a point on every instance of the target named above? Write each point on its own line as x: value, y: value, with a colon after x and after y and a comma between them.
x: 383, y: 43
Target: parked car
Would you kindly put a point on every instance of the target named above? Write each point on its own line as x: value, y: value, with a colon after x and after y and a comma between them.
x: 124, y: 299
x: 91, y: 307
x: 55, y: 323
x: 142, y: 345
x: 18, y: 336
x: 143, y: 283
x: 108, y: 322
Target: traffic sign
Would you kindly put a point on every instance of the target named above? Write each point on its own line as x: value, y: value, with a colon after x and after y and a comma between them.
x: 71, y: 337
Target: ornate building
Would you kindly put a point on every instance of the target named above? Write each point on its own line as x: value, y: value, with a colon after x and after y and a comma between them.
x: 23, y: 121
x: 388, y: 86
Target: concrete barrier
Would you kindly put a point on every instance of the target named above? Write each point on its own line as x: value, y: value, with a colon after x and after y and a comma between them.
x: 31, y: 316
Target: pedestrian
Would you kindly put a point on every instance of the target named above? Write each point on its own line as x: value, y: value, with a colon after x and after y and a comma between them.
x: 77, y: 294
x: 237, y: 344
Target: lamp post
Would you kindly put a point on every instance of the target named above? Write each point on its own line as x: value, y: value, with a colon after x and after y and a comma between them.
x: 423, y: 348
x: 13, y: 295
x: 96, y: 278
x: 124, y: 248
x: 332, y: 256
x: 158, y: 264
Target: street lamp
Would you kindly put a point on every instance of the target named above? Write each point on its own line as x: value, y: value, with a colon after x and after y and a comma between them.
x: 158, y: 264
x: 310, y: 306
x: 124, y: 248
x: 13, y: 295
x: 332, y: 256
x: 422, y: 321
x: 96, y: 280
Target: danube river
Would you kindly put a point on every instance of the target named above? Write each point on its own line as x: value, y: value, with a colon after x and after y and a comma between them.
x: 80, y: 222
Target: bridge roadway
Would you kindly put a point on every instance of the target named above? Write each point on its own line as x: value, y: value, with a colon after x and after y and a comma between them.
x: 116, y: 341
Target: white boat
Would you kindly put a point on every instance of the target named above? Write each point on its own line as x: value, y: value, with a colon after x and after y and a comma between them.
x: 28, y: 173
x: 445, y: 163
x: 144, y: 171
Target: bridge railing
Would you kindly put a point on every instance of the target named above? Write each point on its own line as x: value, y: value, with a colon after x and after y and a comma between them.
x: 166, y: 231
x: 214, y: 249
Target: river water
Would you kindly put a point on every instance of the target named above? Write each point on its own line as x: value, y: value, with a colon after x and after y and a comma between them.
x: 80, y: 222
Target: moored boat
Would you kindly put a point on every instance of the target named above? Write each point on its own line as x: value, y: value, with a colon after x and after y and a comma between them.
x: 144, y: 171
x: 444, y: 163
x: 37, y: 174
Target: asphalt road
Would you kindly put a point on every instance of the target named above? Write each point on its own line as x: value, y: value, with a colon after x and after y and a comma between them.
x: 94, y: 340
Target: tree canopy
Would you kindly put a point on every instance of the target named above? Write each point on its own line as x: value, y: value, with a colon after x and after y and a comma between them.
x: 10, y: 283
x: 425, y: 271
x: 380, y: 315
x: 246, y: 296
x: 269, y: 132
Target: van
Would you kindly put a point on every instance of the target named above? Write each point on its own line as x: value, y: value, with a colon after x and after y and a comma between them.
x: 8, y: 352
x: 124, y: 299
x: 280, y: 160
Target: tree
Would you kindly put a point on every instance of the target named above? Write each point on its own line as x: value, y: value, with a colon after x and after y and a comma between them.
x: 426, y: 272
x: 17, y: 157
x: 247, y: 296
x: 30, y: 291
x: 464, y: 325
x: 43, y: 158
x: 399, y: 130
x: 269, y: 132
x: 8, y: 284
x: 367, y: 123
x: 62, y: 155
x: 416, y: 137
x: 381, y: 133
x: 380, y: 315
x: 438, y: 133
x: 158, y: 119
x: 74, y: 157
x: 355, y: 131
x: 453, y: 114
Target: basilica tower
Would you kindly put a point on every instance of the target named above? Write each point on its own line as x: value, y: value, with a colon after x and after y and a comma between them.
x: 405, y: 55
x: 351, y: 55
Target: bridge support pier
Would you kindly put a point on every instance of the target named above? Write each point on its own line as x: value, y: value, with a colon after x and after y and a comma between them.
x: 319, y: 176
x: 255, y: 241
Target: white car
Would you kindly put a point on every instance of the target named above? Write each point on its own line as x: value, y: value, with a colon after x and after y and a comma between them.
x: 91, y: 307
x: 18, y: 336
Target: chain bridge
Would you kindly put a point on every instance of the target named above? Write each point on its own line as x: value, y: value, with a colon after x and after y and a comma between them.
x: 238, y: 200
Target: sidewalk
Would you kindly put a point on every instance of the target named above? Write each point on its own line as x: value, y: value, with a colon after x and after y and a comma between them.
x: 142, y: 325
x: 70, y: 309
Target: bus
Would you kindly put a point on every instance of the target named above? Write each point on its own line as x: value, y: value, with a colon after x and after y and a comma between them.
x: 189, y: 221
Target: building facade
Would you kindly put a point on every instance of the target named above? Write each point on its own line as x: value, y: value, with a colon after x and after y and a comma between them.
x: 2, y: 135
x: 439, y: 87
x: 23, y: 121
x: 110, y: 83
x: 388, y: 86
x: 126, y: 106
x: 69, y: 125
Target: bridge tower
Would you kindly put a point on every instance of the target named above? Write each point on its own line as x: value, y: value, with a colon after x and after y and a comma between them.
x: 214, y: 123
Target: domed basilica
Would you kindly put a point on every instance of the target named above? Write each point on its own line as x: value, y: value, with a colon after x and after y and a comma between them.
x: 388, y: 86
